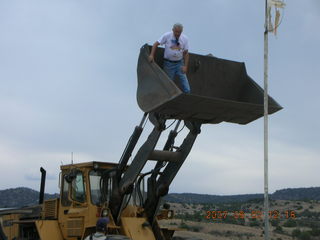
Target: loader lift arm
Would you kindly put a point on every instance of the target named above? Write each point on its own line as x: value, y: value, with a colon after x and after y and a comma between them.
x: 159, y: 188
x: 158, y: 182
x: 123, y: 180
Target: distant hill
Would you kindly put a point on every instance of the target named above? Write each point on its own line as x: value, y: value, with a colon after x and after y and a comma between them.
x: 19, y: 197
x: 312, y: 193
x: 205, y: 198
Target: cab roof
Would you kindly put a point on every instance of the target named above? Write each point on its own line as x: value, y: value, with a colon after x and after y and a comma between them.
x: 89, y: 165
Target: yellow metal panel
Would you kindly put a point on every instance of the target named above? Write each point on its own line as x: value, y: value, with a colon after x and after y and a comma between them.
x: 133, y: 228
x: 10, y: 229
x: 49, y: 230
x: 51, y: 209
x: 75, y: 227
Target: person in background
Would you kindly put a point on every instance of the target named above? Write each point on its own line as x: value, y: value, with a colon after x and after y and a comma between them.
x: 101, y: 230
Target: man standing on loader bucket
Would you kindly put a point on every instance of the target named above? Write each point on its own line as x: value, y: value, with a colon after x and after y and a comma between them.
x: 101, y: 229
x: 176, y: 56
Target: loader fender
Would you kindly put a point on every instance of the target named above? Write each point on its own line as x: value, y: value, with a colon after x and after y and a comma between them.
x: 2, y: 235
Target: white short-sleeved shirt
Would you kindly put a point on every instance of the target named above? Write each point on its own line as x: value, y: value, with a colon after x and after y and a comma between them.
x: 172, y: 51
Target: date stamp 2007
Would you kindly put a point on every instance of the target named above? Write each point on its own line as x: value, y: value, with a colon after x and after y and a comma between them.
x: 254, y: 214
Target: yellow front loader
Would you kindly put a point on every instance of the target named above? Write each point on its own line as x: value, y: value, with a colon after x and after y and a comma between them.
x: 221, y: 91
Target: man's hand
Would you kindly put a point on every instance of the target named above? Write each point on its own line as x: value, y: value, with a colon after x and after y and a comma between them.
x: 153, y: 52
x: 151, y: 58
x: 184, y: 69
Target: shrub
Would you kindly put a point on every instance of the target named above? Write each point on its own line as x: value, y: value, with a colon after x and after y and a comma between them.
x: 278, y: 229
x: 290, y: 223
x: 296, y: 233
x: 315, y: 232
x: 241, y: 221
x: 184, y: 225
x: 230, y: 220
x: 196, y: 228
x: 275, y: 222
x: 215, y: 232
x: 254, y: 223
x: 304, y: 236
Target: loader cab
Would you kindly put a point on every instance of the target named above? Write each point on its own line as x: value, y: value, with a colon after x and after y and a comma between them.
x: 80, y: 198
x: 80, y: 183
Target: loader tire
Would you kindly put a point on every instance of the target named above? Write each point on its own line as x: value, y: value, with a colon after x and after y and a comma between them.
x: 117, y: 237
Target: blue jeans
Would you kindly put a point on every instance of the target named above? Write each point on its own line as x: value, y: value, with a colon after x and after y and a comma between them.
x: 174, y: 68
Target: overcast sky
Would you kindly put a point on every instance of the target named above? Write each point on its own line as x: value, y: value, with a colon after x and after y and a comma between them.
x: 68, y: 84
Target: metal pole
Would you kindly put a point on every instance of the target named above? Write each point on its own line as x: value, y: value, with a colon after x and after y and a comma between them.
x: 266, y: 195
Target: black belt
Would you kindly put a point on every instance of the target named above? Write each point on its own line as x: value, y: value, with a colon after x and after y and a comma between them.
x: 172, y: 61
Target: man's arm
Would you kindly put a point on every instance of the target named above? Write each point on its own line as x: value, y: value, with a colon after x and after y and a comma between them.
x: 153, y: 51
x: 186, y: 61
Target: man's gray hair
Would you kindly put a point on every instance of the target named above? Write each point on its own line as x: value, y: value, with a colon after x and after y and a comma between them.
x: 177, y: 25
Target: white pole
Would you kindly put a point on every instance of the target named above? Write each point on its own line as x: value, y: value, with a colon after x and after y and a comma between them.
x: 266, y: 196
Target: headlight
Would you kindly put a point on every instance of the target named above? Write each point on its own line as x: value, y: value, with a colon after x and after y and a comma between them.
x: 95, y: 166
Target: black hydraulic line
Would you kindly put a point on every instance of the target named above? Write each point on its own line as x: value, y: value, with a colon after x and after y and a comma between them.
x: 42, y: 186
x: 142, y: 155
x: 132, y: 142
x: 124, y: 185
x: 116, y: 196
x: 140, y: 194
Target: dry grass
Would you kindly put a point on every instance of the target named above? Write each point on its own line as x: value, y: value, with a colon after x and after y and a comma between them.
x: 210, y: 230
x: 220, y: 231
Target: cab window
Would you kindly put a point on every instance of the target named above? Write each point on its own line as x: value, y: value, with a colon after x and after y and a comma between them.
x: 65, y: 191
x: 94, y: 178
x: 78, y: 188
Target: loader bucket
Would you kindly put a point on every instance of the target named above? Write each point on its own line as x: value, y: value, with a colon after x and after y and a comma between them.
x: 221, y: 91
